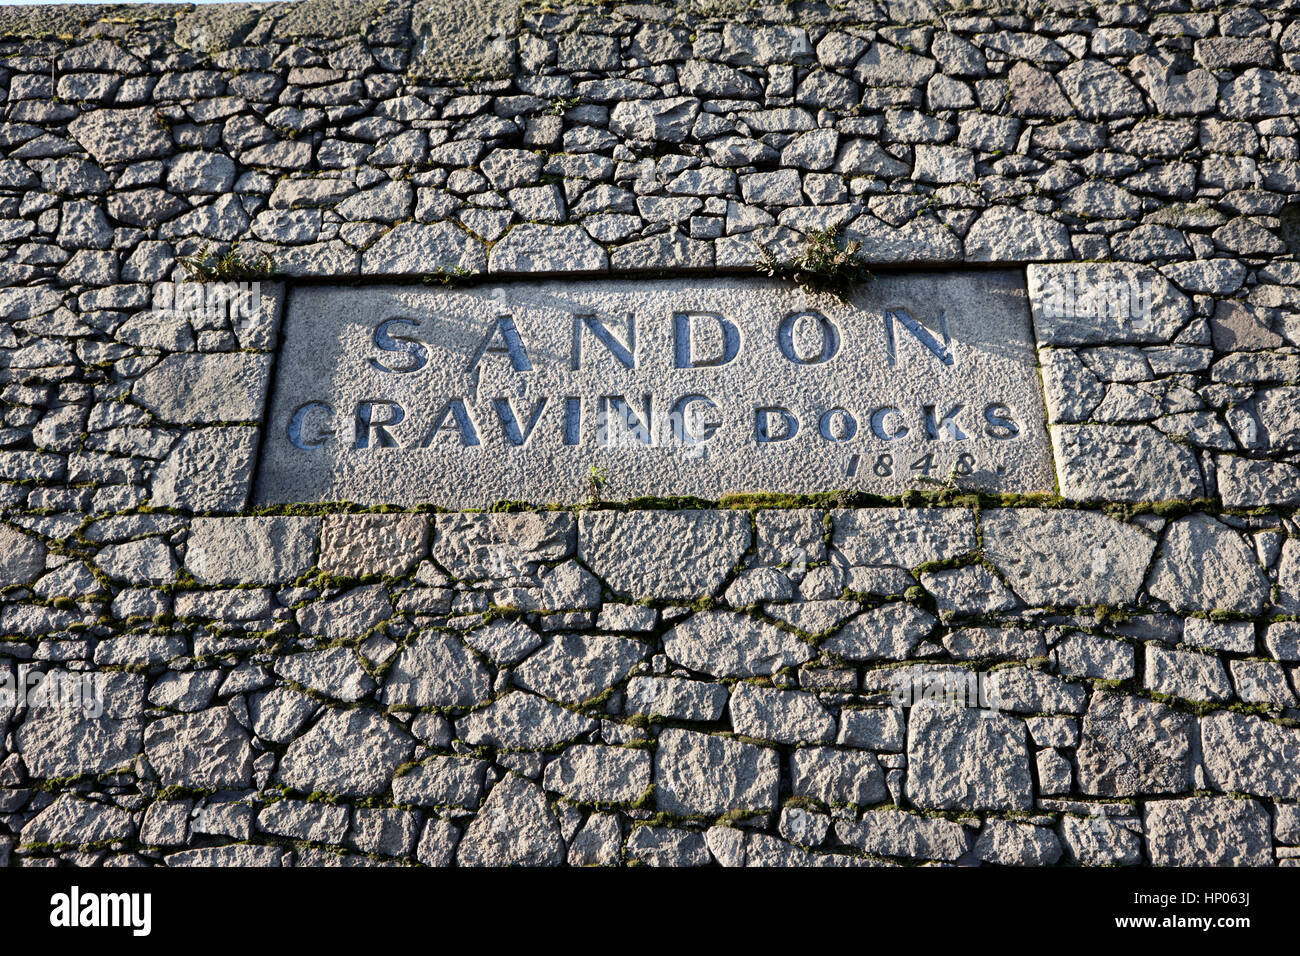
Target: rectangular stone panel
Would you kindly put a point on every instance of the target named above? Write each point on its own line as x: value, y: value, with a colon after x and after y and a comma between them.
x: 525, y: 391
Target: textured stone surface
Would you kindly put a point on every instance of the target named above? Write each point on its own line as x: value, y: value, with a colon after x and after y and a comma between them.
x: 1136, y: 165
x: 690, y: 779
x: 515, y: 828
x: 681, y: 555
x: 1067, y: 558
x: 1208, y: 831
x: 251, y: 550
x: 1204, y: 565
x: 22, y: 557
x: 364, y: 545
x: 961, y: 758
x: 1133, y: 747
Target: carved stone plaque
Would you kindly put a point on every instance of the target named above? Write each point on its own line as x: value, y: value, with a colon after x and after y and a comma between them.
x: 553, y: 391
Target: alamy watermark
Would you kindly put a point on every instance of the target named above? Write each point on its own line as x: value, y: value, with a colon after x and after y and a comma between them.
x: 27, y: 688
x: 1081, y: 295
x: 946, y: 687
x: 240, y: 303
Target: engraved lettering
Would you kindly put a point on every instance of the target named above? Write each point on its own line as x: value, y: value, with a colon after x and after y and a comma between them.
x: 511, y: 345
x: 888, y: 423
x: 623, y: 351
x: 763, y: 430
x: 941, y: 350
x: 369, y: 428
x: 684, y: 323
x: 837, y: 425
x: 298, y: 438
x: 510, y: 424
x: 461, y: 425
x: 1000, y: 424
x: 385, y: 339
x: 690, y: 426
x: 945, y: 428
x: 798, y: 328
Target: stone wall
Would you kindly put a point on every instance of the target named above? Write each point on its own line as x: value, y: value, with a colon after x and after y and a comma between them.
x: 684, y: 686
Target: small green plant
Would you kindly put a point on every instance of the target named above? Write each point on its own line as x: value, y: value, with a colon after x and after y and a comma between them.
x: 230, y: 265
x: 597, y: 478
x: 825, y: 265
x: 561, y: 105
x: 448, y: 276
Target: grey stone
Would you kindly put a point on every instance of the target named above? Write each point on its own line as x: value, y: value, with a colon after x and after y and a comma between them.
x: 503, y: 546
x: 602, y: 775
x: 223, y: 551
x: 143, y: 561
x: 504, y: 641
x: 280, y: 713
x: 514, y: 828
x: 890, y: 632
x: 520, y: 721
x: 532, y: 247
x: 416, y: 249
x: 341, y: 351
x: 347, y: 753
x: 1134, y: 747
x: 442, y: 782
x: 1006, y: 234
x: 570, y: 586
x: 437, y: 670
x: 725, y: 644
x: 675, y: 697
x: 1187, y: 674
x: 1067, y: 557
x: 1245, y: 754
x: 666, y: 846
x: 364, y: 545
x: 598, y: 843
x: 1132, y: 463
x: 1005, y: 843
x: 1208, y: 831
x: 1099, y: 91
x: 349, y: 616
x: 205, y: 389
x: 972, y: 589
x: 186, y: 691
x: 22, y: 557
x: 962, y: 758
x: 701, y: 775
x: 837, y: 777
x: 1104, y: 303
x: 384, y: 831
x: 208, y: 750
x: 1100, y: 841
x: 335, y: 672
x: 666, y: 120
x: 437, y: 843
x: 902, y: 537
x: 73, y: 820
x: 680, y: 555
x: 209, y: 469
x: 877, y: 728
x: 300, y: 820
x: 1203, y: 565
x: 899, y: 834
x: 121, y: 136
x: 1262, y: 682
x: 783, y: 716
x: 1087, y: 655
x: 574, y: 668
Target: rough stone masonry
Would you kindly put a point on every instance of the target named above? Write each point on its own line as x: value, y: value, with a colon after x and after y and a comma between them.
x: 688, y: 680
